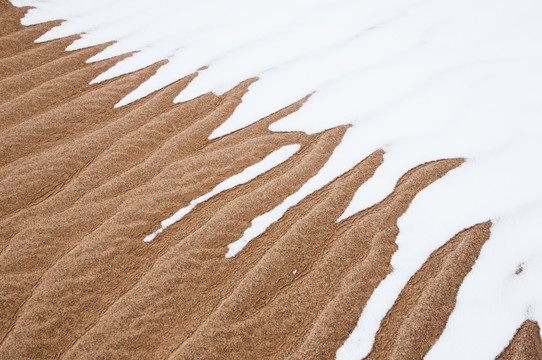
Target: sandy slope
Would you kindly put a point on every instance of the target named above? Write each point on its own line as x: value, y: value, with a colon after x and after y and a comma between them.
x: 82, y: 183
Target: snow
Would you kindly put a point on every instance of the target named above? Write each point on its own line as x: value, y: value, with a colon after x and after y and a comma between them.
x: 277, y: 157
x: 421, y: 79
x: 493, y: 301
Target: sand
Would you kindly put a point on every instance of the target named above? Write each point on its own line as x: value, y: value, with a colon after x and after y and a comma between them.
x: 82, y: 183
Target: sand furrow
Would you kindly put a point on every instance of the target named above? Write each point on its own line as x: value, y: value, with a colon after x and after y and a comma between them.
x: 19, y: 65
x: 10, y: 19
x: 28, y: 74
x: 22, y: 39
x: 49, y: 95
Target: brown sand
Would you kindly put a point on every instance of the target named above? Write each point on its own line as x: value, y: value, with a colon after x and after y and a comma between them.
x: 525, y: 345
x: 82, y: 183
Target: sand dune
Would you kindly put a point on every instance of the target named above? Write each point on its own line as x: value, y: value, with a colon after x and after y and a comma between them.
x: 82, y: 183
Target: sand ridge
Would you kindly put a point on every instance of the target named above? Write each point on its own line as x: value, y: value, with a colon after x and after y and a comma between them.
x: 83, y: 182
x: 525, y: 344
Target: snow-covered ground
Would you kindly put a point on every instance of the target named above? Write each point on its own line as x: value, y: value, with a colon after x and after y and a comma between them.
x: 421, y: 79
